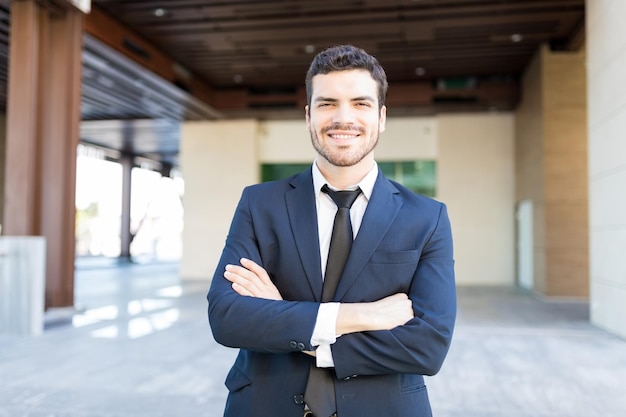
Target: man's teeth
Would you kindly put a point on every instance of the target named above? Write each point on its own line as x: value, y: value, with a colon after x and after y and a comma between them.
x: 344, y: 136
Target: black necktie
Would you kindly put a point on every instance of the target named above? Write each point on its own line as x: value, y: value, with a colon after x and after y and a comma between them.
x: 320, y: 390
x: 340, y: 240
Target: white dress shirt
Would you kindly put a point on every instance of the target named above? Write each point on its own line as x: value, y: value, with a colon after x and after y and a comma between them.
x: 324, y: 333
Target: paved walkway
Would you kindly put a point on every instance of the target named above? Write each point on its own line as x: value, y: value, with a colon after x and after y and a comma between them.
x: 141, y: 347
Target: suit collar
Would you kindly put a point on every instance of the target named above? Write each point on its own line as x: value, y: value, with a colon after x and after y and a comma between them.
x: 303, y: 220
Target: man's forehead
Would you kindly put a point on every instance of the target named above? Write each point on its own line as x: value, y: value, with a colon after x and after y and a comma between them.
x: 342, y: 81
x: 353, y: 72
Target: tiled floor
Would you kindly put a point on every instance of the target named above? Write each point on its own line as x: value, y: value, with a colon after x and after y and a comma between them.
x: 141, y: 346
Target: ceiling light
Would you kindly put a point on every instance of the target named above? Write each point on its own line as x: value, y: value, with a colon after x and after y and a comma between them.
x: 420, y: 71
x: 516, y: 37
x: 309, y: 49
x: 238, y: 78
x: 159, y: 12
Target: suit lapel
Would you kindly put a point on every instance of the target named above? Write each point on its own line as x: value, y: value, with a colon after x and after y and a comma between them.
x: 303, y: 220
x: 380, y: 213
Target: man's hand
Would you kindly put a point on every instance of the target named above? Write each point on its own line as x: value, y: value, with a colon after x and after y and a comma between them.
x: 384, y: 314
x: 251, y: 280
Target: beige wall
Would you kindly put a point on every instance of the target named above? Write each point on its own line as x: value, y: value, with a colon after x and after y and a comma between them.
x: 284, y: 142
x: 475, y: 179
x: 217, y: 159
x: 606, y: 64
x: 551, y: 169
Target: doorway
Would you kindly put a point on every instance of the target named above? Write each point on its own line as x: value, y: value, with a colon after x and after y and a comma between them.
x: 524, y: 217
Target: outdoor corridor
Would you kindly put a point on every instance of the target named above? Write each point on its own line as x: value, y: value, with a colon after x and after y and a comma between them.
x: 140, y: 346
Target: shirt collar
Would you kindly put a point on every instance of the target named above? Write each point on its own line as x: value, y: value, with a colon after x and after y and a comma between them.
x: 366, y: 184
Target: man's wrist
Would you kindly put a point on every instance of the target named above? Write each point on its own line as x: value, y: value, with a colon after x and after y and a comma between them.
x: 353, y: 318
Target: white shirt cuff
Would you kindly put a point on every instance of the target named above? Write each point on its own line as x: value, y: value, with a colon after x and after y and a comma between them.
x: 325, y: 334
x: 324, y: 357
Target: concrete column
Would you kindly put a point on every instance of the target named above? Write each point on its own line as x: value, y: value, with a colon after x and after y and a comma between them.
x: 551, y: 170
x: 606, y: 66
x: 43, y: 116
x: 22, y: 266
x: 125, y: 235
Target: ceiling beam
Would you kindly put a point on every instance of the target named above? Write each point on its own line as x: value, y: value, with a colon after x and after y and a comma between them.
x: 122, y: 39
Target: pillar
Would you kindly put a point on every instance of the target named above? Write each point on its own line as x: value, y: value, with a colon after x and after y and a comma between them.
x: 126, y: 237
x: 607, y: 162
x: 551, y: 170
x: 43, y: 117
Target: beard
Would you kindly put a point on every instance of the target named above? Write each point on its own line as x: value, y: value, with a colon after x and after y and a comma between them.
x: 344, y: 156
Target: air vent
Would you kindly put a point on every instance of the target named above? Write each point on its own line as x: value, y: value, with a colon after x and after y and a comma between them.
x: 136, y: 49
x: 454, y: 100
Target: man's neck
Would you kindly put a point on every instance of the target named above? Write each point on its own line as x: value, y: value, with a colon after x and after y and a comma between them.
x: 343, y: 177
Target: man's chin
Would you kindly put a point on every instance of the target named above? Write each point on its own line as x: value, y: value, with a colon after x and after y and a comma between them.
x: 344, y: 161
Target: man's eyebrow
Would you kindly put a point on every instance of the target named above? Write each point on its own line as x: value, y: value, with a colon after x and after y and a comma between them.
x: 325, y: 99
x: 330, y: 99
x: 364, y: 98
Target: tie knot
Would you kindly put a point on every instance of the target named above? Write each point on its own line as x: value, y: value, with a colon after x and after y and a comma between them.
x: 343, y: 199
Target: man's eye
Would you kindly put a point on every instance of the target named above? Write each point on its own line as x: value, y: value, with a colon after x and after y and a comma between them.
x: 363, y: 104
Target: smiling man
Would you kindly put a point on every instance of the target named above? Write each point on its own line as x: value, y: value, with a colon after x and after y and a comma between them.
x: 337, y: 284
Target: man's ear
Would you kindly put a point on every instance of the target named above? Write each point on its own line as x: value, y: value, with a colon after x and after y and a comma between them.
x: 307, y: 117
x: 383, y: 119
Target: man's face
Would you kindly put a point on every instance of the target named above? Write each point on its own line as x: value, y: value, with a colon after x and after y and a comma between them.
x: 343, y: 118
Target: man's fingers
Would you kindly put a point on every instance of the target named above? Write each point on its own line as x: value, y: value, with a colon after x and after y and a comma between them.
x: 239, y: 289
x: 258, y: 270
x: 243, y: 273
x: 242, y: 277
x: 251, y: 279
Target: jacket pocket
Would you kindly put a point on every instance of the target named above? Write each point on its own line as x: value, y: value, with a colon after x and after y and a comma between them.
x: 236, y: 379
x: 395, y: 257
x: 411, y: 383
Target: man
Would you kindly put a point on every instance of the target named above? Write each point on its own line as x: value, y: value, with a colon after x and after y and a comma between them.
x: 369, y: 341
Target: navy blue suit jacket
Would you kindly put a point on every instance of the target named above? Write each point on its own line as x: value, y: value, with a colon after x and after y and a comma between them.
x: 404, y: 245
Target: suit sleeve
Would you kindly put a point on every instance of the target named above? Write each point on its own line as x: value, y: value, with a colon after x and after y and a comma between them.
x: 421, y: 345
x: 254, y: 323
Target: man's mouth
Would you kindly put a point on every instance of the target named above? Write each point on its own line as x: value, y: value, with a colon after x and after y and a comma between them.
x: 343, y: 136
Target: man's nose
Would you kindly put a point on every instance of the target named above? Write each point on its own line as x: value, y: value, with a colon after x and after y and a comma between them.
x: 343, y: 114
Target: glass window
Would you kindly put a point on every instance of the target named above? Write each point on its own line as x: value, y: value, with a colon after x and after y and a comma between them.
x: 418, y: 176
x: 271, y: 172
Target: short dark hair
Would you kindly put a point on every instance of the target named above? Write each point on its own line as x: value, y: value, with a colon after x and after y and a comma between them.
x: 342, y: 58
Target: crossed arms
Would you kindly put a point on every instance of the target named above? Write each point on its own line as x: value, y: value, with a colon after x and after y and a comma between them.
x: 252, y: 280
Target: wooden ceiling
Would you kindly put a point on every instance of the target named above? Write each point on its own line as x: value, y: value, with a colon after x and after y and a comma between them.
x: 174, y: 60
x: 439, y: 55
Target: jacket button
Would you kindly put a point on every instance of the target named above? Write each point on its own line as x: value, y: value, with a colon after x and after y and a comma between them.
x: 298, y: 399
x: 293, y: 344
x: 301, y: 346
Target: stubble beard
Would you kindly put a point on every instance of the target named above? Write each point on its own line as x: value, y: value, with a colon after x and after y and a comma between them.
x: 342, y: 157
